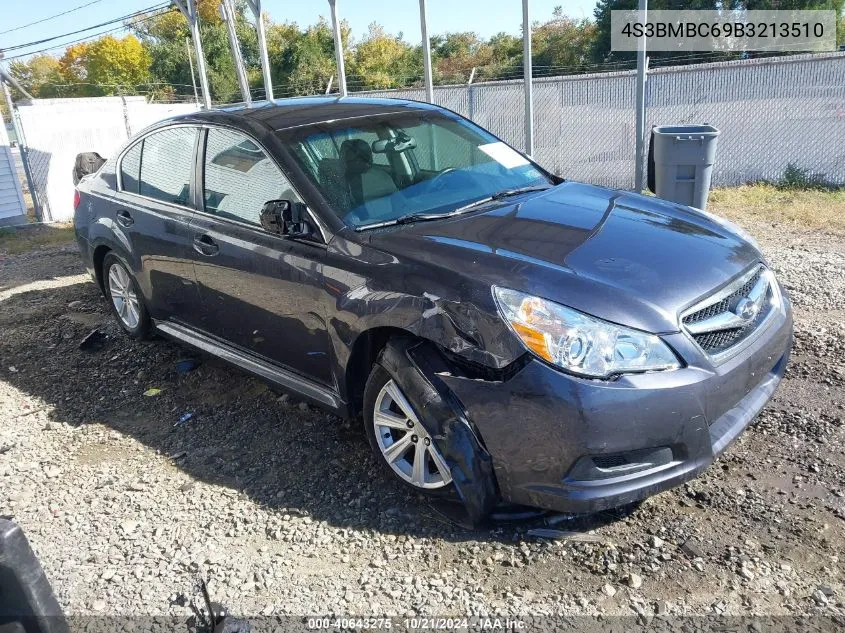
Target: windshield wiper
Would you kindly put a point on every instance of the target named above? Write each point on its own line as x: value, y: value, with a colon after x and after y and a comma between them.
x: 506, y: 193
x: 410, y: 218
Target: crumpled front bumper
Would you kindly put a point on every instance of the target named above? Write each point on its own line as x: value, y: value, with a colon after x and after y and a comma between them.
x: 576, y: 445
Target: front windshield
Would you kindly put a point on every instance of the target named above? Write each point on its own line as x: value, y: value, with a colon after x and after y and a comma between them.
x: 380, y: 168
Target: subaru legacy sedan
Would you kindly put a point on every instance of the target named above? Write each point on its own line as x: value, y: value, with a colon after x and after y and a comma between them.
x: 503, y: 334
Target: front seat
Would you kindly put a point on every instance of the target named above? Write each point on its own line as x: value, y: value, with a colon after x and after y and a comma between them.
x: 367, y: 185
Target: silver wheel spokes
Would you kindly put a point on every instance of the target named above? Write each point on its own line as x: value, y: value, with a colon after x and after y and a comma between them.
x: 123, y: 296
x: 405, y: 444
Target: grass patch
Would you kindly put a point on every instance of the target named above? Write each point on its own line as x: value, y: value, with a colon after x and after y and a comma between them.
x: 14, y: 241
x: 809, y: 209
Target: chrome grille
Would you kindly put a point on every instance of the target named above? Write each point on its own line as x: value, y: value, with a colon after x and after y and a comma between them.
x: 715, y: 323
x: 726, y: 304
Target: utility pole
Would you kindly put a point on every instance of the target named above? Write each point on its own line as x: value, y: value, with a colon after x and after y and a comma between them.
x: 193, y: 77
x: 526, y: 66
x: 255, y: 5
x: 642, y: 61
x: 426, y: 48
x: 189, y: 10
x: 227, y: 12
x: 338, y: 49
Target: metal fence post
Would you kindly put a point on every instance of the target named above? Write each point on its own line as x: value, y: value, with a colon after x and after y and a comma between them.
x: 189, y: 10
x: 471, y: 95
x: 227, y: 12
x: 126, y: 117
x: 255, y: 5
x: 30, y: 183
x: 526, y: 65
x: 338, y: 50
x: 641, y: 79
x: 426, y: 48
x: 193, y: 76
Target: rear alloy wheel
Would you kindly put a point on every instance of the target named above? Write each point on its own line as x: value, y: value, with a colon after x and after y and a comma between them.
x: 403, y: 442
x: 126, y: 302
x: 123, y: 296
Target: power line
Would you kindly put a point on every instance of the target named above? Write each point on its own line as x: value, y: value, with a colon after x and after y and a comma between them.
x: 160, y: 5
x: 52, y: 17
x: 90, y: 37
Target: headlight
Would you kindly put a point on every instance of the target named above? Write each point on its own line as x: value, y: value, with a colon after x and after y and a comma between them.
x: 579, y: 343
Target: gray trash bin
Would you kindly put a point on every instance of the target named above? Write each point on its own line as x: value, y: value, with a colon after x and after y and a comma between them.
x: 683, y: 162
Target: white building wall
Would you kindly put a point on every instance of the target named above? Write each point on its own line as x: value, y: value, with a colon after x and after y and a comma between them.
x: 56, y: 130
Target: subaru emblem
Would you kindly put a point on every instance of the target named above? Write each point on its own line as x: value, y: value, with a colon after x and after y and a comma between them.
x: 746, y: 309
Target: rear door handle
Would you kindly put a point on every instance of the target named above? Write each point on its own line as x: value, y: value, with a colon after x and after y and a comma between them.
x: 204, y: 245
x: 124, y: 219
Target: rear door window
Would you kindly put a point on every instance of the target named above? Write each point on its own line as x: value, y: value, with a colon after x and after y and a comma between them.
x: 167, y: 161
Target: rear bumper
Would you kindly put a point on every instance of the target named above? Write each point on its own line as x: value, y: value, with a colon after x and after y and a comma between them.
x: 574, y: 445
x: 86, y: 253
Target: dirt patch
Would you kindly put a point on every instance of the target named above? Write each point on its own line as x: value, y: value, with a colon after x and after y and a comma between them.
x: 284, y: 510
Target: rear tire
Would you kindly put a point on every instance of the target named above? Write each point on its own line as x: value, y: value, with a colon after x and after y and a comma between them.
x: 399, y: 441
x: 125, y: 298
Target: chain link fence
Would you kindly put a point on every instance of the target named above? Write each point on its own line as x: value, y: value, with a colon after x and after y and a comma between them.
x: 772, y: 112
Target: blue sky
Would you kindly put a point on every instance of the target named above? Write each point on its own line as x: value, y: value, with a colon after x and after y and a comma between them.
x: 486, y: 17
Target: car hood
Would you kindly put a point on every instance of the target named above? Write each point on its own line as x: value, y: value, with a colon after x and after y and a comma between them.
x: 623, y: 257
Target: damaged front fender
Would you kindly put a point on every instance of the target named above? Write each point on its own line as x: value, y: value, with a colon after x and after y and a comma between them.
x: 414, y: 366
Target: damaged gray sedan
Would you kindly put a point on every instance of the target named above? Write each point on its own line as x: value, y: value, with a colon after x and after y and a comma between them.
x: 503, y: 334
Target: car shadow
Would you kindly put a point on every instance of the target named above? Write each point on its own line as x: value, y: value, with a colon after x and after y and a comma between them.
x: 214, y: 422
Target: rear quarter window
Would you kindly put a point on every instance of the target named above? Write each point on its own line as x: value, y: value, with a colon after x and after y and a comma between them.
x: 130, y: 169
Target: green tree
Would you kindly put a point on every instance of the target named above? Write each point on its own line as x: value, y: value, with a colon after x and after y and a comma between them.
x: 456, y: 54
x: 117, y: 66
x: 164, y: 37
x: 302, y: 62
x: 506, y: 56
x: 39, y: 75
x: 563, y: 44
x: 382, y: 60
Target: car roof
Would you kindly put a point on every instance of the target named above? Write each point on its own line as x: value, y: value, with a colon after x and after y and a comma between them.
x: 283, y: 114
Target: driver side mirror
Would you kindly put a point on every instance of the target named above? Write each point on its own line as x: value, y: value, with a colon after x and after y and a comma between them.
x: 284, y: 217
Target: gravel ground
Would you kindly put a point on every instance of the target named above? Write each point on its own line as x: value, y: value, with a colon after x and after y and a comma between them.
x: 283, y: 509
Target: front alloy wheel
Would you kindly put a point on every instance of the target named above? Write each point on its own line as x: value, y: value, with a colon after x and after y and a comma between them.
x: 404, y: 443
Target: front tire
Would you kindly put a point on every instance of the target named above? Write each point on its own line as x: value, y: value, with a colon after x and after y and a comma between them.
x: 399, y: 441
x: 125, y: 299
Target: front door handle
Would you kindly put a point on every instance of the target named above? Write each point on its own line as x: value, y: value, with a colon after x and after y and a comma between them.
x: 124, y: 219
x: 204, y: 245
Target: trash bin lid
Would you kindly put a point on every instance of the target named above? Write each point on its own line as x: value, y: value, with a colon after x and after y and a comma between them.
x: 684, y: 130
